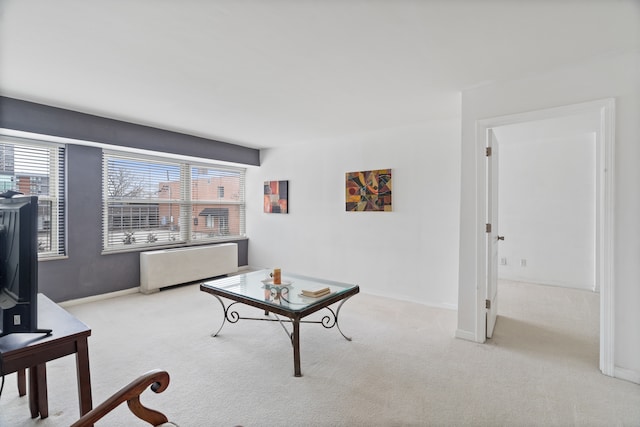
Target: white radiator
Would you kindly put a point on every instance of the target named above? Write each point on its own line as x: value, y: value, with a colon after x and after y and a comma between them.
x: 175, y: 266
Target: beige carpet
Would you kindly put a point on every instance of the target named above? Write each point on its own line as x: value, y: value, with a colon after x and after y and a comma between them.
x: 403, y: 367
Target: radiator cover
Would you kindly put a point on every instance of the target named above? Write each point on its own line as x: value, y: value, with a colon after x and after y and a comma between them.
x: 168, y: 267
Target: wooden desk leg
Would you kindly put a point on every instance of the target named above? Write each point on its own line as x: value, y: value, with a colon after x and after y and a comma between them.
x: 38, y: 398
x: 43, y: 398
x: 33, y: 392
x: 84, y: 376
x: 22, y: 382
x: 295, y: 340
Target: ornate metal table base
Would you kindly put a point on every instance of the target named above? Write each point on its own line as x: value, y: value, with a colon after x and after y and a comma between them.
x: 286, y: 301
x: 328, y: 321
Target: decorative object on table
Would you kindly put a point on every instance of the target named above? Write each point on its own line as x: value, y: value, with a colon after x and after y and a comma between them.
x: 276, y: 196
x: 368, y: 190
x: 277, y: 276
x: 316, y: 293
x: 276, y: 293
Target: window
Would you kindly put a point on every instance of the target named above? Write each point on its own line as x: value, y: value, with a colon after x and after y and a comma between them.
x: 37, y: 168
x: 153, y: 201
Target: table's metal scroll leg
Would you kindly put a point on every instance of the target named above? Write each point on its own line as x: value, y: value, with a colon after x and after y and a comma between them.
x: 337, y: 314
x: 224, y: 316
x: 295, y: 340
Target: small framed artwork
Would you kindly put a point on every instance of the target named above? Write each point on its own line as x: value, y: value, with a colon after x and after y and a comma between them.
x: 276, y: 196
x: 368, y: 191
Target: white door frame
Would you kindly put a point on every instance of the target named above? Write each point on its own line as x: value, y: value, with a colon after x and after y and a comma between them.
x: 605, y: 141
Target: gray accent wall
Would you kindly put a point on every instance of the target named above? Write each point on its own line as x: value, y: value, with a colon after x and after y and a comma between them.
x: 86, y: 272
x: 43, y: 119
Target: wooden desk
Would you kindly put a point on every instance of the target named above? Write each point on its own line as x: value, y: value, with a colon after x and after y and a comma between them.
x: 32, y: 351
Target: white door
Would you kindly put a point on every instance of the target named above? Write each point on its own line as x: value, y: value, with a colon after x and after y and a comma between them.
x: 492, y: 232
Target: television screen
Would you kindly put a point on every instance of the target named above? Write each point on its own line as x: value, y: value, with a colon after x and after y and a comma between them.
x: 19, y: 265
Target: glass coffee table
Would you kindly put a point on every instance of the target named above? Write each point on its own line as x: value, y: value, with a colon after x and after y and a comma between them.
x: 287, y: 300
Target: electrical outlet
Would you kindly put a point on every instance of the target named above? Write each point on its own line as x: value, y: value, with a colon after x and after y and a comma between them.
x: 523, y: 262
x: 16, y: 319
x: 503, y: 261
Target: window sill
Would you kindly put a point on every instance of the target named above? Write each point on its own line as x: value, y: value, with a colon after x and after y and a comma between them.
x: 176, y: 246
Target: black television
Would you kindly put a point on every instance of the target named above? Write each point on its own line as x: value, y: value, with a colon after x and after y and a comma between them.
x: 19, y: 265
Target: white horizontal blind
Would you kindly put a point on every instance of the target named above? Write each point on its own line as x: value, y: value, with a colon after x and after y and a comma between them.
x: 217, y: 202
x: 153, y: 201
x: 38, y: 169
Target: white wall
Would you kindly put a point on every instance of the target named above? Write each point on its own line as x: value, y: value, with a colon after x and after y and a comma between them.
x: 547, y: 207
x: 410, y: 253
x: 615, y: 76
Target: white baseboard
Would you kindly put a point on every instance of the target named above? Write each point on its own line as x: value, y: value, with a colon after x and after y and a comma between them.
x: 400, y: 297
x: 100, y: 297
x: 627, y: 375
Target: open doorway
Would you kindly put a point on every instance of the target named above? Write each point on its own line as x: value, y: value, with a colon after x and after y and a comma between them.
x: 600, y: 115
x: 547, y: 201
x: 547, y: 220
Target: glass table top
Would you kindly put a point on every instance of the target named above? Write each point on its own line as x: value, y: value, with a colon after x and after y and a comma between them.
x: 258, y: 286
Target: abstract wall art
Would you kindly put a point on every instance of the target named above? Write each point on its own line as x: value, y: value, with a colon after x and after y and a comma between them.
x: 276, y: 196
x: 368, y: 190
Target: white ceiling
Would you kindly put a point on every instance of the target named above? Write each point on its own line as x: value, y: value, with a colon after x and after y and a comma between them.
x: 266, y: 73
